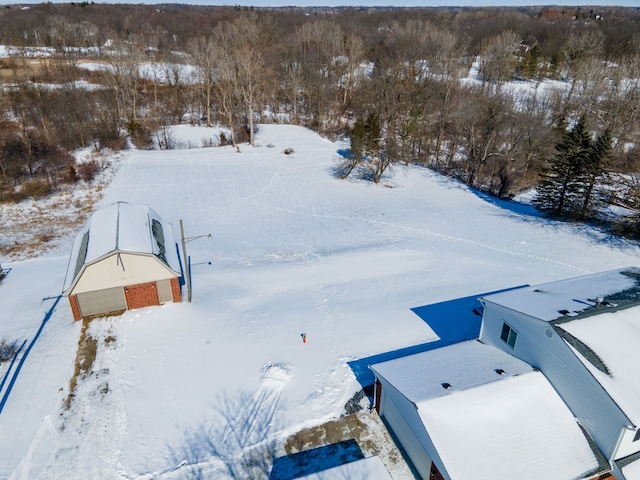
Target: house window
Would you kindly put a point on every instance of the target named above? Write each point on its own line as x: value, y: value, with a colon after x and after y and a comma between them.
x: 509, y: 335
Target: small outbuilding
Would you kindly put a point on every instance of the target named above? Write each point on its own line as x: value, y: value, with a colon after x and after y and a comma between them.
x: 125, y: 257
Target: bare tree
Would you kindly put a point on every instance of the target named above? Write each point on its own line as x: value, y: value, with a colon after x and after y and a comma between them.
x: 242, y: 46
x: 319, y: 48
x: 203, y: 52
x: 498, y: 59
x: 581, y: 57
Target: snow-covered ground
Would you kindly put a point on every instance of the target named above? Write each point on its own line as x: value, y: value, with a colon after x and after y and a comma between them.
x: 294, y: 251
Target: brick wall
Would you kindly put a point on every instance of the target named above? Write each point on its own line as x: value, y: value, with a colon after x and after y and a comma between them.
x: 175, y: 290
x: 141, y: 295
x: 75, y: 308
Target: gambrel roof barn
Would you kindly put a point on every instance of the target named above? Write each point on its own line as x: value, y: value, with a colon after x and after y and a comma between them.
x: 124, y: 257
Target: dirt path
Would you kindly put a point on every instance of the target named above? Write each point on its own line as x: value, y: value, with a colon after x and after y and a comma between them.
x: 366, y: 428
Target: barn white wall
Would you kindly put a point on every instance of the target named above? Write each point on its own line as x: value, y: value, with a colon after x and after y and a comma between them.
x: 540, y: 346
x: 109, y: 272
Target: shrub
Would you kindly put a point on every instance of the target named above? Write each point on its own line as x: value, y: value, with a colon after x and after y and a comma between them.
x: 7, y: 349
x: 87, y: 171
x: 109, y: 136
x: 35, y: 189
x: 71, y: 174
x: 140, y: 134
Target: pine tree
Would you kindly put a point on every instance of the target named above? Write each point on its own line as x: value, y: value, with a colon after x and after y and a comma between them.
x: 594, y: 170
x: 562, y: 186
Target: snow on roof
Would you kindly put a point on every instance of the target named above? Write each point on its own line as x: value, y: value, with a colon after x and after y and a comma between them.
x: 370, y: 468
x: 123, y: 227
x: 463, y: 365
x: 503, y: 429
x: 631, y: 471
x: 613, y: 337
x: 572, y: 297
x: 498, y: 418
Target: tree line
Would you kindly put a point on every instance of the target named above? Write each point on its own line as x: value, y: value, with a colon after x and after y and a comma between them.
x: 553, y: 99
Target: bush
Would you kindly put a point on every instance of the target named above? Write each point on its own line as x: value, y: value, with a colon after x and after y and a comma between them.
x: 35, y: 189
x: 109, y: 136
x: 87, y: 171
x: 71, y: 174
x: 140, y: 135
x: 7, y: 349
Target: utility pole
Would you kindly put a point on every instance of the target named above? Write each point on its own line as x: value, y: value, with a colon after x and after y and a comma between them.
x: 187, y: 273
x: 187, y: 265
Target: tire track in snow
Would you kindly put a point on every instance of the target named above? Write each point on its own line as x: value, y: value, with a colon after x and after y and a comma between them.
x: 311, y: 212
x: 254, y: 420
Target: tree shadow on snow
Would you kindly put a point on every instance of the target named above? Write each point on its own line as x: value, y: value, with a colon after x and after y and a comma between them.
x: 598, y: 233
x: 234, y: 443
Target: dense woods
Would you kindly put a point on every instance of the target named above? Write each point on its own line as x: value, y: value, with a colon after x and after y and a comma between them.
x: 554, y: 102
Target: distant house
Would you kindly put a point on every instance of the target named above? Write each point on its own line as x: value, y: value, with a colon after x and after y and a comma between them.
x: 575, y: 341
x: 125, y: 257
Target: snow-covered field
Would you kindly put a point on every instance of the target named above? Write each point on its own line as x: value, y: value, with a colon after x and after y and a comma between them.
x: 294, y: 251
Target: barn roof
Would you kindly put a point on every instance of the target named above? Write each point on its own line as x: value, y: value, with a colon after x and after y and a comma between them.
x: 498, y: 416
x: 122, y: 227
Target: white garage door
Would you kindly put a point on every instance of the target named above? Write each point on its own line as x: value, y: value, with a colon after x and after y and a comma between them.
x: 416, y: 453
x: 102, y: 301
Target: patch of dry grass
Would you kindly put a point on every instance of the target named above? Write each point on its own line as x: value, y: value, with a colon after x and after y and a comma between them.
x: 33, y: 227
x: 86, y: 355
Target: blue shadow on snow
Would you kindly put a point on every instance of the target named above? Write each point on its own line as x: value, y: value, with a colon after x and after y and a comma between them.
x: 46, y: 318
x: 315, y: 460
x: 453, y: 321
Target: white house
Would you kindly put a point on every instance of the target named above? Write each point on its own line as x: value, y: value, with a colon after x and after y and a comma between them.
x: 124, y: 257
x: 584, y: 335
x: 472, y: 411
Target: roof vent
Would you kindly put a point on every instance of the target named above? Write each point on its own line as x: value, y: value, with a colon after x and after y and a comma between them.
x: 601, y: 302
x: 564, y: 312
x: 499, y: 371
x: 446, y: 385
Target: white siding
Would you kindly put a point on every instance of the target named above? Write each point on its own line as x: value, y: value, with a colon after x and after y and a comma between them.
x: 121, y: 269
x: 540, y: 346
x: 402, y: 417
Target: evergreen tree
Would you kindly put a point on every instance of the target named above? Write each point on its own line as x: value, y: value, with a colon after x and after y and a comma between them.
x: 530, y: 63
x: 593, y: 171
x: 365, y: 144
x: 562, y: 186
x: 357, y: 139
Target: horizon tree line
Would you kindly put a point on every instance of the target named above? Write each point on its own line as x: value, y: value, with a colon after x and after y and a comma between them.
x: 392, y: 82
